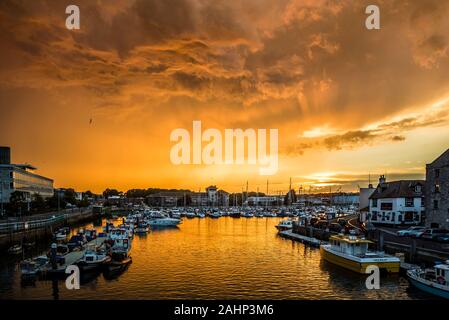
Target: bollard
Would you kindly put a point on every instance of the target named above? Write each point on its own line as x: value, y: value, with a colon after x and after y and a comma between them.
x: 381, y: 241
x: 53, y: 256
x: 412, y: 251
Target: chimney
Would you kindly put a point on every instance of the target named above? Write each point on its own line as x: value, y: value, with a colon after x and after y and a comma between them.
x: 382, y: 179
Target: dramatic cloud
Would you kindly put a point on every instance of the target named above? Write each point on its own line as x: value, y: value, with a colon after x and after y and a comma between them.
x: 139, y: 66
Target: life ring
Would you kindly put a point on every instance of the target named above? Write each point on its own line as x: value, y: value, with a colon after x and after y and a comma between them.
x: 441, y: 280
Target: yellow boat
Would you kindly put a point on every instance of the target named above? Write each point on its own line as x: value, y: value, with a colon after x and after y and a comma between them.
x: 352, y: 253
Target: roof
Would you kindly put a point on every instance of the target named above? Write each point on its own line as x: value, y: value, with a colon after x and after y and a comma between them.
x: 399, y: 189
x: 443, y: 159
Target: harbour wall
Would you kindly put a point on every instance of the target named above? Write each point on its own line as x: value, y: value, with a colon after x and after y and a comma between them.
x: 38, y: 229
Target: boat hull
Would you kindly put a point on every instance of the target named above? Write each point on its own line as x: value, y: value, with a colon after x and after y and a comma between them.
x: 428, y: 287
x: 358, y: 266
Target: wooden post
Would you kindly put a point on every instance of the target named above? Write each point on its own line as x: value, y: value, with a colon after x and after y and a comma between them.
x: 412, y: 251
x: 381, y: 241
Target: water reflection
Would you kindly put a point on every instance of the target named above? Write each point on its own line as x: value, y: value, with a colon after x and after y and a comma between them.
x: 207, y: 258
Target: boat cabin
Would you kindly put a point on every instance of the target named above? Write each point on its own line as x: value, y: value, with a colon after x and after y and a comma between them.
x: 351, y: 245
x: 442, y: 273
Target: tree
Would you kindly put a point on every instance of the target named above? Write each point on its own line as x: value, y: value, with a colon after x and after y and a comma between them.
x: 38, y: 203
x: 111, y: 192
x: 16, y: 201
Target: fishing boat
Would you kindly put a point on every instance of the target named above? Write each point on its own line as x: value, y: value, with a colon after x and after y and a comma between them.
x: 164, y: 222
x: 93, y: 259
x: 30, y: 268
x: 352, y: 253
x: 433, y: 280
x: 15, y: 249
x: 285, y: 225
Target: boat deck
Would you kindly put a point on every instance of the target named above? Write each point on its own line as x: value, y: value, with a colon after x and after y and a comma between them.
x: 72, y: 257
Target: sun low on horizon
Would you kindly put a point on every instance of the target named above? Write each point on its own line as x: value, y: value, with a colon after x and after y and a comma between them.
x: 94, y: 108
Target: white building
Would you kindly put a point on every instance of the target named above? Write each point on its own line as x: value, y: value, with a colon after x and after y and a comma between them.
x: 21, y: 178
x: 397, y: 202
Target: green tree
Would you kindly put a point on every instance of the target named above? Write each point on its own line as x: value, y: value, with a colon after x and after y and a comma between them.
x: 38, y: 203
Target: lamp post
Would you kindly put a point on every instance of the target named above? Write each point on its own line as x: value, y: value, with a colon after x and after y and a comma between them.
x: 1, y: 197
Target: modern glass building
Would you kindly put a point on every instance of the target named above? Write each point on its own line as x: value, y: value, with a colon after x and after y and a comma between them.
x: 18, y: 177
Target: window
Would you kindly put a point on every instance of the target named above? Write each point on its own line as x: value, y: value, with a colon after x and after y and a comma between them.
x: 374, y: 201
x: 386, y: 206
x: 409, y: 202
x: 437, y: 188
x: 418, y: 188
x: 435, y: 204
x: 437, y: 173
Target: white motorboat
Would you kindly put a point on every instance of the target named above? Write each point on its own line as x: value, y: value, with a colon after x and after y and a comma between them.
x: 285, y: 225
x: 142, y: 229
x: 190, y: 214
x: 93, y: 259
x: 164, y: 222
x: 62, y: 234
x: 214, y: 215
x: 247, y: 214
x: 31, y: 267
x: 434, y: 280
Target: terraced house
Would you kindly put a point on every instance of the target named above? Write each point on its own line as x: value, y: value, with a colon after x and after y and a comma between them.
x: 437, y: 192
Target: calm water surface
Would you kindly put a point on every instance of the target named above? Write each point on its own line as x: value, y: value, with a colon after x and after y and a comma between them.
x: 222, y: 258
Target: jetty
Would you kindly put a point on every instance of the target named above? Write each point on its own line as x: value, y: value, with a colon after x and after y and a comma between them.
x: 304, y: 239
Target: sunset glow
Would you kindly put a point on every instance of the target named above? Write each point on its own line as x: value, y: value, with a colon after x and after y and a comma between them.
x: 93, y: 108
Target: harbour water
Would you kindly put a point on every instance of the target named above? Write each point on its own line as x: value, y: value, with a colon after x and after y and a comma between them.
x: 223, y: 258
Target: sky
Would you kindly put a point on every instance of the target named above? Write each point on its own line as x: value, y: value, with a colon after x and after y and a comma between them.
x: 94, y: 108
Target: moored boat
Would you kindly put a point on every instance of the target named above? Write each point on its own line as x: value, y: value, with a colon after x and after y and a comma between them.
x: 352, y: 253
x: 93, y: 259
x: 164, y: 222
x: 15, y: 249
x: 434, y: 280
x: 31, y: 267
x: 285, y: 225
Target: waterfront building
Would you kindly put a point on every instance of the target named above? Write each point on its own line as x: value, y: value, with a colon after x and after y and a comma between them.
x: 264, y: 201
x: 437, y: 192
x: 22, y: 178
x: 165, y: 199
x: 345, y: 198
x: 398, y: 202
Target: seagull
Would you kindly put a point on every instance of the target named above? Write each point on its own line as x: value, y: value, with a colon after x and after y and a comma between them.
x: 90, y: 121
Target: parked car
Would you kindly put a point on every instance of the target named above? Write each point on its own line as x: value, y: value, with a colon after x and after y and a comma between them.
x: 430, y: 233
x: 442, y: 238
x: 410, y: 232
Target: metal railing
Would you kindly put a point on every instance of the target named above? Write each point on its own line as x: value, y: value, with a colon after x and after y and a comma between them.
x: 18, y: 226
